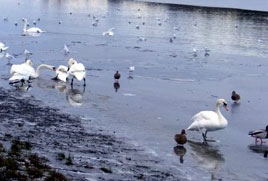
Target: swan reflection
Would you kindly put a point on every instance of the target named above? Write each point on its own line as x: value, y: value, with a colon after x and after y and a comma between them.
x: 75, y: 96
x: 262, y: 149
x: 180, y: 151
x: 208, y: 157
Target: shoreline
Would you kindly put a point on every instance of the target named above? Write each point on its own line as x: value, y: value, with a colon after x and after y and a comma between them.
x: 95, y: 154
x: 207, y: 6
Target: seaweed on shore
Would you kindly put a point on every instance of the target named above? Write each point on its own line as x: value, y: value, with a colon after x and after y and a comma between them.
x: 19, y: 163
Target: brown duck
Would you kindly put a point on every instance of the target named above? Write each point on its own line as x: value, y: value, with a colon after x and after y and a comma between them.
x: 117, y: 76
x: 181, y: 138
x: 235, y: 97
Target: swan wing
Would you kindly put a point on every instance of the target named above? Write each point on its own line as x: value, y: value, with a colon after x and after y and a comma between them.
x: 78, y: 71
x: 22, y: 69
x: 204, y: 119
x: 16, y: 77
x: 62, y: 73
x: 34, y: 30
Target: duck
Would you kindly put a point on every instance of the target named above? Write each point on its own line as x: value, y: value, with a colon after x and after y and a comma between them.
x: 77, y: 71
x: 181, y: 139
x: 117, y: 76
x: 3, y: 47
x: 30, y: 30
x: 260, y: 133
x: 62, y: 72
x: 206, y: 121
x: 235, y: 97
x: 26, y: 71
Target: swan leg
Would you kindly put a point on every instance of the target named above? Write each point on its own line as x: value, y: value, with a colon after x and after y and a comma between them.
x: 84, y: 82
x: 72, y: 81
x: 205, y: 136
x: 84, y: 89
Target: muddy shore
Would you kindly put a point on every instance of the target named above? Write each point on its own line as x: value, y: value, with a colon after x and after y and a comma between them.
x: 95, y: 153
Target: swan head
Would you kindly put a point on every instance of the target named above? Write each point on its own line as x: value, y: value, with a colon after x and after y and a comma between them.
x: 29, y: 62
x: 223, y: 103
x: 54, y: 69
x: 71, y: 62
x: 24, y: 19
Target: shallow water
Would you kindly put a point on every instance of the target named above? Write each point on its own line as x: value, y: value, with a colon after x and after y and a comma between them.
x: 169, y: 84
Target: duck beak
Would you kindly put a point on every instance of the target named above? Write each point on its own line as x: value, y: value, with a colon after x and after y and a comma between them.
x: 225, y: 107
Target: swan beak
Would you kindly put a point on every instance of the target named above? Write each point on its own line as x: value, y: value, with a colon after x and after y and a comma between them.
x: 225, y: 107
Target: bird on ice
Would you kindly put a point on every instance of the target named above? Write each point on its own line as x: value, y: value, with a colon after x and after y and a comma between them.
x: 206, y: 121
x: 66, y: 50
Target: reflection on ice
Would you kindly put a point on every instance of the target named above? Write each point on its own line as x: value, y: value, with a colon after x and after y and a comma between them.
x: 116, y: 86
x: 75, y: 96
x: 262, y: 149
x: 208, y: 157
x: 180, y: 151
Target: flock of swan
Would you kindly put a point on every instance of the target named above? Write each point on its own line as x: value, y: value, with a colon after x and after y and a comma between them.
x: 204, y: 121
x: 22, y: 73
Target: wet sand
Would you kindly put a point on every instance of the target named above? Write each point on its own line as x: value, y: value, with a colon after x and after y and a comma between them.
x: 96, y: 155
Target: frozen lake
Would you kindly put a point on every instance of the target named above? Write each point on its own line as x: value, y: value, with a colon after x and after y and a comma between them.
x: 169, y: 86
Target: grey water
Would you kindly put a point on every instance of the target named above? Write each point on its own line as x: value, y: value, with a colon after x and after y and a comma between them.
x: 169, y: 84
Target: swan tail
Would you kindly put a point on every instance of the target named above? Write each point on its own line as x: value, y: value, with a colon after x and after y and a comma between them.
x: 193, y: 127
x: 4, y: 48
x: 62, y: 77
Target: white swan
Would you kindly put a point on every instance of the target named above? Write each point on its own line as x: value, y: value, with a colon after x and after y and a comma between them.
x: 62, y: 72
x: 209, y: 120
x: 30, y: 30
x: 26, y: 71
x: 3, y: 47
x: 78, y: 71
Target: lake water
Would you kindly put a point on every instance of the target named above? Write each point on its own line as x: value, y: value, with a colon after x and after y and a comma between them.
x: 169, y: 84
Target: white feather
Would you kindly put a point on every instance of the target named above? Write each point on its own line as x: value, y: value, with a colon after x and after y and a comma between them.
x: 78, y: 71
x: 62, y: 73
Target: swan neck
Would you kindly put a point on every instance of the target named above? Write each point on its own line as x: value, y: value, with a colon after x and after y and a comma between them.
x: 37, y: 72
x: 218, y: 111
